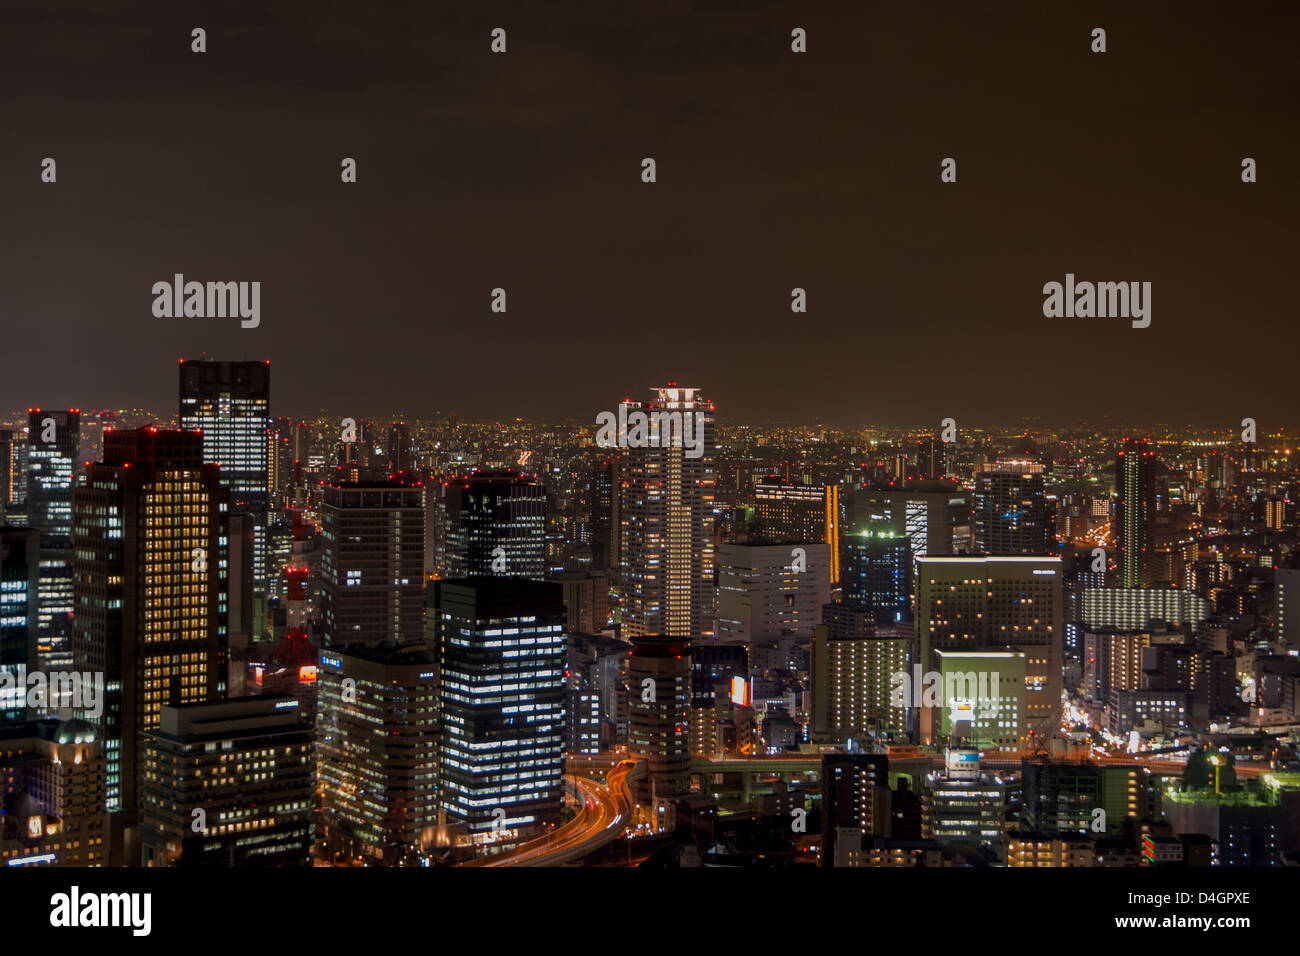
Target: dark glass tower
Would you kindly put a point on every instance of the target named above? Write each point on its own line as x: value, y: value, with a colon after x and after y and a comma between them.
x: 1011, y: 512
x: 1135, y: 510
x: 53, y: 438
x: 496, y: 526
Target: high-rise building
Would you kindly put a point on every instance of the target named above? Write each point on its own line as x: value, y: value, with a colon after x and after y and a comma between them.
x: 606, y: 495
x: 52, y: 443
x: 501, y: 652
x: 934, y: 515
x: 855, y: 803
x: 852, y: 669
x: 150, y: 540
x: 496, y: 526
x: 229, y: 783
x: 376, y: 754
x: 667, y: 549
x: 659, y: 697
x: 787, y: 512
x: 982, y: 698
x: 1135, y: 508
x: 229, y: 403
x: 13, y: 473
x: 401, y: 453
x: 998, y: 603
x: 20, y: 550
x: 876, y: 570
x: 1011, y: 515
x: 1138, y: 607
x: 372, y: 566
x: 770, y: 594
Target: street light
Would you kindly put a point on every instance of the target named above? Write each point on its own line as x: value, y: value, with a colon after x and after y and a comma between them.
x: 1214, y: 759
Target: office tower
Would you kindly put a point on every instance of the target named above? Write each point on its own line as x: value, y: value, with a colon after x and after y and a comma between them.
x: 586, y: 600
x: 786, y: 512
x: 1011, y: 515
x: 372, y: 566
x: 659, y: 696
x: 935, y: 515
x: 969, y: 804
x: 229, y: 783
x: 1003, y: 603
x: 581, y: 721
x: 496, y: 526
x: 501, y: 653
x: 52, y: 443
x: 377, y: 753
x: 401, y: 453
x: 1286, y: 605
x: 876, y: 570
x: 719, y: 684
x: 229, y: 403
x: 1135, y: 507
x: 771, y: 594
x: 1114, y: 661
x: 853, y: 670
x: 981, y: 698
x: 1139, y: 608
x: 20, y: 551
x: 855, y: 803
x: 13, y: 476
x: 52, y: 791
x: 149, y: 532
x: 606, y: 494
x: 667, y: 548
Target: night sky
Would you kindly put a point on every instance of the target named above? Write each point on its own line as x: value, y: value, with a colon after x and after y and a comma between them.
x: 775, y: 170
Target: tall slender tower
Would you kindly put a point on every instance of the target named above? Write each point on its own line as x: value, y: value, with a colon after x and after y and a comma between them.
x: 230, y: 404
x: 666, y: 515
x: 53, y: 438
x: 1135, y: 510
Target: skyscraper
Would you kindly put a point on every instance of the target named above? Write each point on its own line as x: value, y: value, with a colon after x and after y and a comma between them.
x: 149, y: 533
x: 1135, y: 507
x: 990, y: 604
x: 935, y: 515
x: 401, y: 455
x: 377, y: 750
x: 876, y: 570
x: 1011, y: 514
x: 230, y: 405
x: 770, y: 594
x: 667, y: 549
x: 659, y: 699
x: 13, y: 472
x: 19, y: 582
x: 788, y: 512
x: 52, y: 442
x: 244, y: 770
x: 496, y: 526
x: 501, y: 653
x: 372, y: 568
